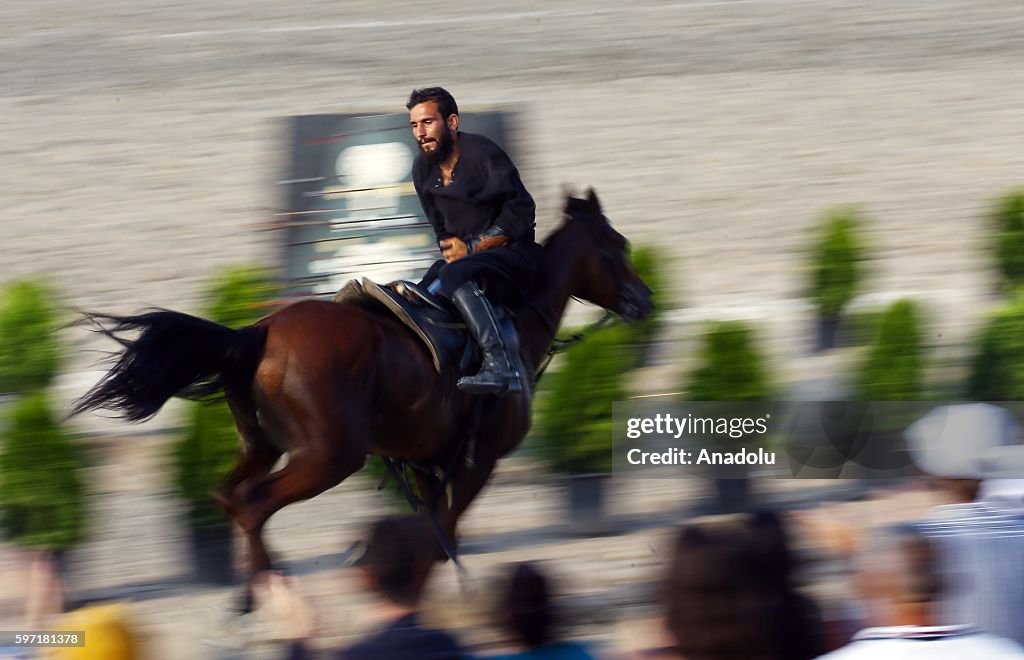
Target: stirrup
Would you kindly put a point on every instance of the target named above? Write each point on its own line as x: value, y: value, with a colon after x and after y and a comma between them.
x: 513, y: 385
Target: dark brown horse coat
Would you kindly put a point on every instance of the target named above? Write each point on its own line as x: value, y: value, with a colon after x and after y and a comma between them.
x: 330, y: 383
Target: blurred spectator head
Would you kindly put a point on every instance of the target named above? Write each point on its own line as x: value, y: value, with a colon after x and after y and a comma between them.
x: 897, y: 574
x: 951, y: 443
x: 399, y: 556
x: 525, y: 606
x: 728, y: 593
x: 771, y: 546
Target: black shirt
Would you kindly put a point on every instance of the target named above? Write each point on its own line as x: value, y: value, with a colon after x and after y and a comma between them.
x: 403, y: 639
x: 485, y: 190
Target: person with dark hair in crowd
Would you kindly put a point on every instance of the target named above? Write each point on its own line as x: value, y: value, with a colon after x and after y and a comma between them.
x: 900, y: 581
x: 801, y: 629
x: 399, y: 556
x: 483, y: 218
x: 528, y: 612
x: 720, y: 605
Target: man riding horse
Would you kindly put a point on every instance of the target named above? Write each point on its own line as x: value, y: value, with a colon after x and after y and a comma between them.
x: 330, y: 384
x: 483, y: 217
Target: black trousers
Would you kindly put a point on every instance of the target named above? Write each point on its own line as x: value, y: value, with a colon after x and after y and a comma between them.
x: 506, y: 275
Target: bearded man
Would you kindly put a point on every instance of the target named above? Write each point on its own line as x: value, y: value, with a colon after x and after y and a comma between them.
x: 484, y: 219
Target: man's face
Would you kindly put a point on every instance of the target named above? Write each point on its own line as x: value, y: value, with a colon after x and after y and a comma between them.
x: 432, y: 132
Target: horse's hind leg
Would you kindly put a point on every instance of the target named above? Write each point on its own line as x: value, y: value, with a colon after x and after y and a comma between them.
x: 321, y: 462
x: 256, y: 456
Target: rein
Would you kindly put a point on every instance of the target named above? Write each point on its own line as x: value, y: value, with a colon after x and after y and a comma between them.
x: 561, y: 345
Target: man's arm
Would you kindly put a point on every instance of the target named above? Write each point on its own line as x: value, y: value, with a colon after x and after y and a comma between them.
x: 518, y: 211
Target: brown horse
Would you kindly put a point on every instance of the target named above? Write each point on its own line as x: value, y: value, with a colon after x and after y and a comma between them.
x: 330, y: 383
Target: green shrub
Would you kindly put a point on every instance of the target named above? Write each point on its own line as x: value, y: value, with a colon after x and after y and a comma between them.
x: 649, y: 263
x: 574, y: 429
x: 29, y: 349
x: 206, y: 452
x: 837, y: 257
x: 240, y: 296
x: 42, y: 493
x: 893, y: 368
x: 730, y: 370
x: 203, y: 458
x: 1008, y: 219
x: 997, y: 369
x: 730, y: 367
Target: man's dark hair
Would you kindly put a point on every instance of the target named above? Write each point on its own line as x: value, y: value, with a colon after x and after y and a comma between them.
x: 400, y: 554
x: 445, y: 102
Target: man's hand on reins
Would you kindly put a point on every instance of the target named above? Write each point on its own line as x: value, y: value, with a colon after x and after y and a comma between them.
x: 453, y: 248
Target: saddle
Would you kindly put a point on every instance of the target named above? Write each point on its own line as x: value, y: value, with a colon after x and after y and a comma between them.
x: 454, y: 353
x: 431, y: 318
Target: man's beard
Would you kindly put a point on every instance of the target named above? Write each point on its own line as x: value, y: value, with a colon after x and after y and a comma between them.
x: 442, y: 150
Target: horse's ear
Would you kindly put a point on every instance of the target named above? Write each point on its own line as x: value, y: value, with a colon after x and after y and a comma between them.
x: 574, y: 203
x: 594, y: 201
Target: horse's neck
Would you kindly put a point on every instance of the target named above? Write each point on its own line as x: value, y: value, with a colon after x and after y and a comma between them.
x: 542, y: 316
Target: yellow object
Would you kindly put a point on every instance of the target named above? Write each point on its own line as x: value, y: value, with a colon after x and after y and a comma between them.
x: 107, y: 634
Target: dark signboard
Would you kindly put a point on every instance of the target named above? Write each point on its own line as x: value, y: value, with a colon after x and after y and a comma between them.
x: 350, y: 206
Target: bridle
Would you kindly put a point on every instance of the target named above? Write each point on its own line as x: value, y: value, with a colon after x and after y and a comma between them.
x: 559, y: 345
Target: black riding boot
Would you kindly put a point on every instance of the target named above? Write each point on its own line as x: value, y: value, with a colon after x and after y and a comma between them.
x: 498, y: 372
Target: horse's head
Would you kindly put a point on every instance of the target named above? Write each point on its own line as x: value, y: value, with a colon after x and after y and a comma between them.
x: 604, y: 274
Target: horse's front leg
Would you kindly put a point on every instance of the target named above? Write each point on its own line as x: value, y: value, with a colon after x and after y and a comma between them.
x: 505, y: 426
x: 448, y: 505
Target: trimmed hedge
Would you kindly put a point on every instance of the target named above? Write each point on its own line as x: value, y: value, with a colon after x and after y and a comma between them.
x: 42, y: 493
x: 574, y: 429
x: 893, y: 369
x: 240, y: 296
x: 1008, y: 221
x: 997, y: 368
x: 836, y: 263
x: 30, y: 351
x: 731, y: 369
x: 203, y: 458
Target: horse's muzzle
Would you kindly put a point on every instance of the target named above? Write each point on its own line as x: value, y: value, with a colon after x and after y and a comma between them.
x: 635, y: 302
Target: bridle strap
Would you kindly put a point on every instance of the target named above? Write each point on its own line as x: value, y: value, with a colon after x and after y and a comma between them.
x: 561, y: 345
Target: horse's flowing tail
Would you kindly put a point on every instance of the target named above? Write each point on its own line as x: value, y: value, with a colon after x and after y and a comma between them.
x: 174, y: 355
